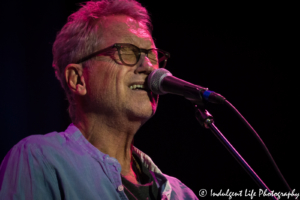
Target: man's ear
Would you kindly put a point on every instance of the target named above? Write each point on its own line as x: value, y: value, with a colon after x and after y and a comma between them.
x: 75, y: 79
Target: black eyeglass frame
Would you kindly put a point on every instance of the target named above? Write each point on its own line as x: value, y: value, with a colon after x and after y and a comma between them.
x: 118, y: 46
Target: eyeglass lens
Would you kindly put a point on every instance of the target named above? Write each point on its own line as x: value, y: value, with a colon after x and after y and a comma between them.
x: 130, y: 54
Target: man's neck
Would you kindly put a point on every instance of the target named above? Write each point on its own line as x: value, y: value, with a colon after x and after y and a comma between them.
x: 111, y: 137
x: 131, y: 175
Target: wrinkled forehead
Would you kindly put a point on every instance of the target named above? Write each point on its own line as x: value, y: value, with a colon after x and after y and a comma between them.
x: 126, y: 29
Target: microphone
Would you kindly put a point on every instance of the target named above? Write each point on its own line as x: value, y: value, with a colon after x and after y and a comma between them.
x: 161, y: 81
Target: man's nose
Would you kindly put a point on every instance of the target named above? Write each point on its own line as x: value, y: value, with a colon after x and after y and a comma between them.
x: 144, y: 65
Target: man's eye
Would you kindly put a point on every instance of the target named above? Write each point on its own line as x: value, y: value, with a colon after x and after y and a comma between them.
x: 152, y: 57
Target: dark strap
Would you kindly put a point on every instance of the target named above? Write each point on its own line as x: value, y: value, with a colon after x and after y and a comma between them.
x: 147, y: 189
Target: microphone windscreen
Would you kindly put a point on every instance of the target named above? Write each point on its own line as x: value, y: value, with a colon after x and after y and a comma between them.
x: 155, y: 78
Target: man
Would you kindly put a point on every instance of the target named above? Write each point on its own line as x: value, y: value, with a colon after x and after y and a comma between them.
x: 102, y: 58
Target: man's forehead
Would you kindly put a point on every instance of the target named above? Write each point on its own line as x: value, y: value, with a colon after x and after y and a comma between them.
x: 129, y: 29
x: 142, y: 43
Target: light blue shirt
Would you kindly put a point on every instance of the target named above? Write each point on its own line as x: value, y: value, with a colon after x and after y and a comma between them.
x: 66, y: 166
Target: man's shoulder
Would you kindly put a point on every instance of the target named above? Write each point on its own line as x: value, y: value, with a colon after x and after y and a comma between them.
x: 31, y: 165
x: 35, y: 147
x: 52, y: 139
x: 54, y: 148
x: 41, y: 151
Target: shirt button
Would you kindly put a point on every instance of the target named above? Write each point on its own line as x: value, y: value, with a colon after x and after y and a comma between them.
x: 120, y: 188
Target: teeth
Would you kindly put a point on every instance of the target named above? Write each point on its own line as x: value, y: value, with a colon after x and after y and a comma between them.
x: 136, y: 86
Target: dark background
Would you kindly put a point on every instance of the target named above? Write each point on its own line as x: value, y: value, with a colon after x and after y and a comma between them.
x: 246, y: 52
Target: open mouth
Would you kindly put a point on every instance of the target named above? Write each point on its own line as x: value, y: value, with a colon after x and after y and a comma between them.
x: 137, y: 87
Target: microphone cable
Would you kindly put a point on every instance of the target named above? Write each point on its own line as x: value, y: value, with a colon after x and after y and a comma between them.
x: 261, y: 142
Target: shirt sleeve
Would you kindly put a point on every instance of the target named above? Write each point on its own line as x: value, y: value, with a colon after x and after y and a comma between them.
x: 25, y: 174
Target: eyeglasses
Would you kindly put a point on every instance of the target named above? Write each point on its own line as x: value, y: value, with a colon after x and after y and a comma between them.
x: 130, y: 55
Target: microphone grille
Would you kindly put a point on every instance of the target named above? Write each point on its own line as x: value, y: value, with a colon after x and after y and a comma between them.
x: 155, y: 78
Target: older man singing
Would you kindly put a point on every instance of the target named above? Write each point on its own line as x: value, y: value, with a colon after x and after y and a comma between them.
x: 102, y: 57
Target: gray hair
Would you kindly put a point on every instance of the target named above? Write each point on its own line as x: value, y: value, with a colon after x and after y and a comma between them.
x: 80, y: 35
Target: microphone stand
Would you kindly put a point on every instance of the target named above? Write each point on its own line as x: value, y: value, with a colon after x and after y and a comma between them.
x: 206, y: 120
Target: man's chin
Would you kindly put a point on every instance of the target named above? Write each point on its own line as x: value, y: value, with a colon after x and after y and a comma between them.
x: 144, y: 110
x: 141, y: 113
